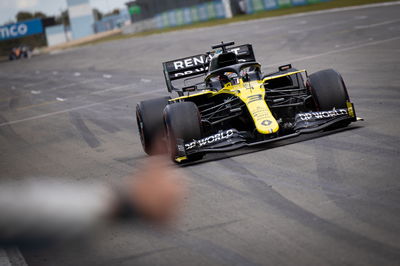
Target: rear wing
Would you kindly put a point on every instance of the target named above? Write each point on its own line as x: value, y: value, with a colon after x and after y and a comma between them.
x: 198, y: 64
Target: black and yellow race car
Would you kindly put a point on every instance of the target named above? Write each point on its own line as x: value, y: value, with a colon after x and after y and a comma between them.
x: 225, y: 102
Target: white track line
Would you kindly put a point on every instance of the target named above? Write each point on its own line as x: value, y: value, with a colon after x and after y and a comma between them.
x: 294, y: 60
x: 72, y: 84
x: 112, y: 89
x: 335, y: 51
x: 76, y: 108
x: 376, y: 25
x: 36, y: 83
x: 152, y: 92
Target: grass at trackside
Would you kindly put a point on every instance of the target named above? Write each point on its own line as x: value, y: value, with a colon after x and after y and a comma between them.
x: 264, y: 14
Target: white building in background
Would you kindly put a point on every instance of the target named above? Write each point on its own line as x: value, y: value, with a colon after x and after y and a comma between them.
x: 228, y: 8
x: 56, y: 35
x: 81, y: 18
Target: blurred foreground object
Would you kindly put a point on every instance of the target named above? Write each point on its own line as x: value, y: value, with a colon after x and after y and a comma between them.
x: 42, y: 211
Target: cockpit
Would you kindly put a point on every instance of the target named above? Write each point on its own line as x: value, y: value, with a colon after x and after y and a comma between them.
x: 233, y: 74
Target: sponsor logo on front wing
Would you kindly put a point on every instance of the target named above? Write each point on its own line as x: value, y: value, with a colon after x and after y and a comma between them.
x: 210, y: 140
x: 323, y: 114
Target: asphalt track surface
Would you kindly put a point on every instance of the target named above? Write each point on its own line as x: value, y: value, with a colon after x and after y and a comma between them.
x: 330, y: 199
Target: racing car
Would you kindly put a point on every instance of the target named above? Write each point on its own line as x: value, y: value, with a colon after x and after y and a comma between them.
x: 20, y: 52
x: 224, y: 102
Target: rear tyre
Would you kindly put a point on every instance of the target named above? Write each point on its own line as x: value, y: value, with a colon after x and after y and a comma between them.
x: 182, y: 121
x: 329, y: 91
x: 149, y: 117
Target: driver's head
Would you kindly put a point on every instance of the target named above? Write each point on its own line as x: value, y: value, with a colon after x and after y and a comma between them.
x: 228, y: 77
x: 223, y: 79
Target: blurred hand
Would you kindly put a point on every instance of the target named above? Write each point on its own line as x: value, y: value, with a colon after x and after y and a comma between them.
x: 157, y: 190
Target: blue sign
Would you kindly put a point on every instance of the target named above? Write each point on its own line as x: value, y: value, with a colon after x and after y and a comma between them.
x: 21, y: 29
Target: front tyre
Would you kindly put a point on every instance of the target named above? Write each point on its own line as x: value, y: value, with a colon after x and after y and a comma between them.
x: 149, y: 117
x: 328, y: 90
x: 182, y: 123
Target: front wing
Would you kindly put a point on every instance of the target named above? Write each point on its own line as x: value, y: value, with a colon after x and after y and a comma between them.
x: 232, y: 139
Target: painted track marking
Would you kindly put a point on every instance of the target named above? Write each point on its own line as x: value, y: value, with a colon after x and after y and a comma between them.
x: 335, y: 51
x: 50, y: 89
x: 152, y: 92
x: 76, y: 108
x: 376, y: 24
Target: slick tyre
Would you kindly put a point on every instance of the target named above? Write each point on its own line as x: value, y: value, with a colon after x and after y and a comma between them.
x: 328, y: 90
x: 182, y: 121
x: 150, y: 122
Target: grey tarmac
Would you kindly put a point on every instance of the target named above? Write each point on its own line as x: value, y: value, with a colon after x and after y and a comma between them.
x: 321, y: 199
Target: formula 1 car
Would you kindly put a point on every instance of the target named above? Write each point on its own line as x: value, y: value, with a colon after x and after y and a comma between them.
x: 234, y: 105
x: 20, y: 52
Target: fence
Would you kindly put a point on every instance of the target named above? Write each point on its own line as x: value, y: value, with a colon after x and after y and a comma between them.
x: 252, y: 6
x: 188, y: 15
x: 112, y: 22
x: 215, y: 9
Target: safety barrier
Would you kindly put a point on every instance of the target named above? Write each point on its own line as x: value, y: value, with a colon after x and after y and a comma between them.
x: 215, y: 10
x: 253, y: 6
x: 189, y: 15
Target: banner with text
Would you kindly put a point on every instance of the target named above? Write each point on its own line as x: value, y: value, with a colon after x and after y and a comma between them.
x: 21, y: 29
